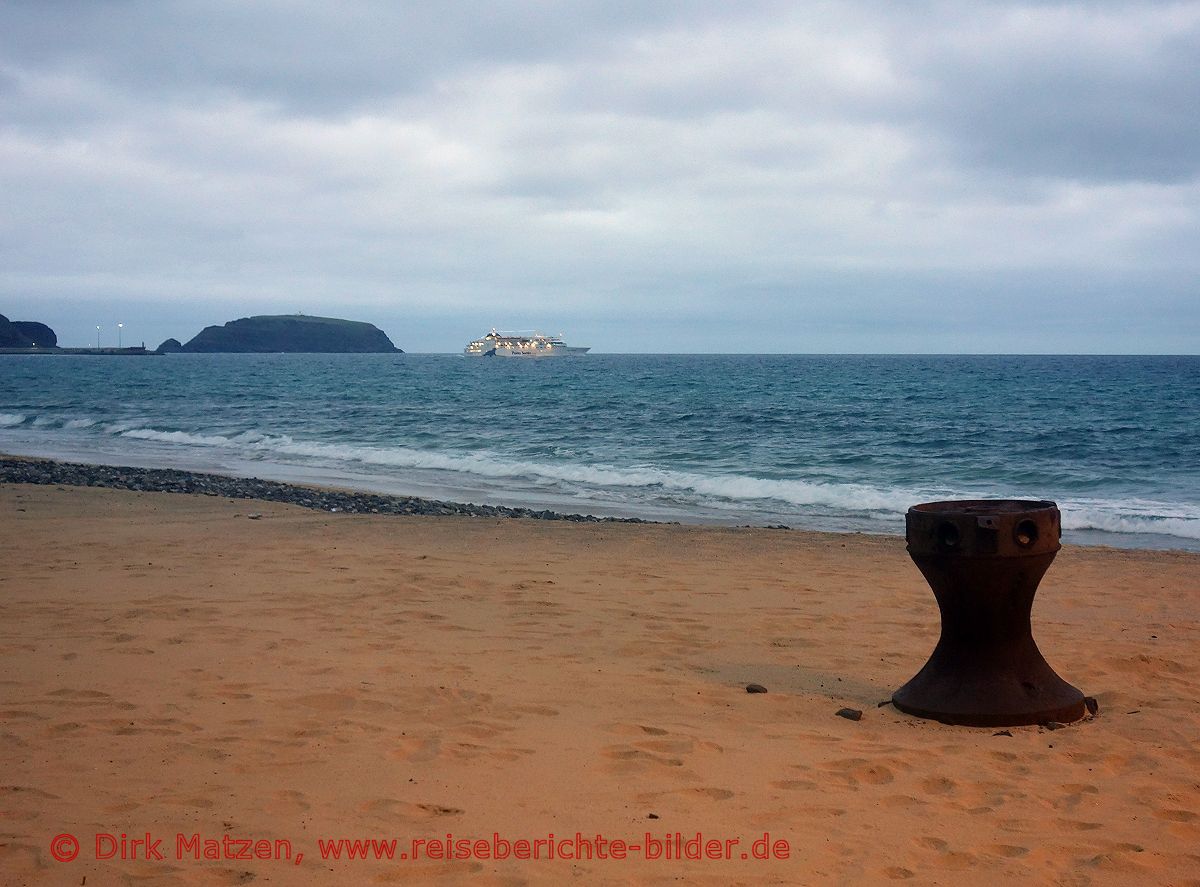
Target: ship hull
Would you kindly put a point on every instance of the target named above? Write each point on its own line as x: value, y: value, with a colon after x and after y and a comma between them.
x: 569, y: 351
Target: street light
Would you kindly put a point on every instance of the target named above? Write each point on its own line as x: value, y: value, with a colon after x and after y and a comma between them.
x: 120, y: 326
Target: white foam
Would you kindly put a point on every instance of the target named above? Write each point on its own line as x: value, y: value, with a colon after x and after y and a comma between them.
x: 644, y: 484
x: 179, y: 437
x: 75, y: 424
x: 7, y: 420
x: 735, y: 488
x: 855, y: 497
x: 122, y: 427
x: 1117, y: 518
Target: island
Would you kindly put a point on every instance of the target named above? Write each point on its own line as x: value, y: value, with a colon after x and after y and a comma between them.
x: 26, y: 334
x: 296, y: 333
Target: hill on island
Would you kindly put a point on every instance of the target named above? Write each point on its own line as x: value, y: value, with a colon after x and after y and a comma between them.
x: 291, y: 333
x: 25, y: 334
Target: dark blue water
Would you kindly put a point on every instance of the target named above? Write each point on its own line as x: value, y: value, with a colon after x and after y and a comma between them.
x: 832, y: 442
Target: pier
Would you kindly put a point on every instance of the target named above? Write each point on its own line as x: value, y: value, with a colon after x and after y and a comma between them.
x: 137, y: 351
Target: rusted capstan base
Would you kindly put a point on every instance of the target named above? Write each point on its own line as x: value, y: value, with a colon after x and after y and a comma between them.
x: 984, y: 560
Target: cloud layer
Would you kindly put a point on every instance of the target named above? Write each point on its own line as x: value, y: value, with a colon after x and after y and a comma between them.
x: 882, y: 176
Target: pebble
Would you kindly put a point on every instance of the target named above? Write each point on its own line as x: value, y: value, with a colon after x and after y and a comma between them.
x: 1092, y: 705
x: 755, y: 688
x: 169, y: 480
x: 850, y: 714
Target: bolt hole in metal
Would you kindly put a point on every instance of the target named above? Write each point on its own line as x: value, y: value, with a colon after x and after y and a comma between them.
x: 947, y: 534
x: 1025, y: 533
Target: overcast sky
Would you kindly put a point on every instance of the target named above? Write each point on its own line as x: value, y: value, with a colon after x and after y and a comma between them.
x: 641, y: 175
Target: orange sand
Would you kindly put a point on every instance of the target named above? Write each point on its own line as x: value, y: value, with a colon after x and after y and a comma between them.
x: 168, y: 665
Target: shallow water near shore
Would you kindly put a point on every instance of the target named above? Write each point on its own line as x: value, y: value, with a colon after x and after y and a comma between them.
x: 821, y: 442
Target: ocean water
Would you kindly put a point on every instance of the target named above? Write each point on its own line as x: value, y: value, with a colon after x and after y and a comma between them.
x: 842, y: 443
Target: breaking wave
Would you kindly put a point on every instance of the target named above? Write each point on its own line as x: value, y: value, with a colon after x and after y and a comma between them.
x: 633, y: 489
x: 854, y: 497
x: 1117, y: 517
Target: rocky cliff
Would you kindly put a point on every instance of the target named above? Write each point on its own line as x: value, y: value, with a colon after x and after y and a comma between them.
x: 25, y: 334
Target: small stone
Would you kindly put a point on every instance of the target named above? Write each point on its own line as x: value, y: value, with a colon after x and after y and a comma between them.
x: 850, y: 714
x: 1003, y: 733
x: 755, y: 688
x: 883, y: 703
x: 1093, y: 706
x: 652, y: 816
x: 254, y: 517
x: 1054, y: 725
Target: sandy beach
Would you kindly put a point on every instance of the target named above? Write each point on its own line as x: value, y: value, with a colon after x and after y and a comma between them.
x: 173, y: 668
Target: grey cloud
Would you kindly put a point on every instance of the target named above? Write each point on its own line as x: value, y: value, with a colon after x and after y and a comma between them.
x: 1119, y: 105
x: 313, y: 57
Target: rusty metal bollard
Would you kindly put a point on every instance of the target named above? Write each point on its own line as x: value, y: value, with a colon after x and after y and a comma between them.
x: 984, y: 559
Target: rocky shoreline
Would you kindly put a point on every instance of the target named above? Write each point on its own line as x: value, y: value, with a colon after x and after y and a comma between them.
x: 169, y: 480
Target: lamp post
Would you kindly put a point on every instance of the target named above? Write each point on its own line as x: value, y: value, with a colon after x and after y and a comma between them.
x: 97, y: 337
x: 120, y: 326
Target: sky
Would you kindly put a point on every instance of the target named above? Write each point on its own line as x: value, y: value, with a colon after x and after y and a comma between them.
x: 640, y: 176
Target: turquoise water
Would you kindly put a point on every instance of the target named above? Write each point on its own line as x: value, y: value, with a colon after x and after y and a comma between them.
x: 826, y: 442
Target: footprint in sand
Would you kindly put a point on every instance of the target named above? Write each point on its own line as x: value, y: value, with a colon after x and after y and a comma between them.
x: 287, y: 803
x: 636, y: 730
x: 1008, y: 851
x: 860, y: 770
x: 77, y: 697
x: 392, y: 809
x: 1072, y: 795
x: 938, y: 785
x: 325, y: 701
x: 416, y: 748
x: 667, y: 746
x: 706, y: 794
x: 626, y: 759
x: 222, y: 877
x: 13, y: 714
x: 1176, y: 815
x: 17, y: 793
x: 470, y: 751
x: 65, y: 727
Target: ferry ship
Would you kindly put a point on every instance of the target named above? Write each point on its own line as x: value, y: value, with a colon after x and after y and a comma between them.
x: 496, y: 344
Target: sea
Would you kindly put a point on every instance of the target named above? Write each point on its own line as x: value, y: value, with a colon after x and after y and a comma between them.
x: 841, y: 443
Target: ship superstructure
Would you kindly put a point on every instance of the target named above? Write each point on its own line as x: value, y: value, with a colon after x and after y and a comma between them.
x: 497, y: 344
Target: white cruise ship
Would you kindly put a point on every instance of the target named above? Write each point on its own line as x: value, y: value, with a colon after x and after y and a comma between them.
x: 496, y: 344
